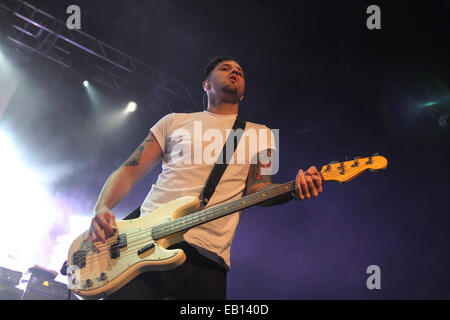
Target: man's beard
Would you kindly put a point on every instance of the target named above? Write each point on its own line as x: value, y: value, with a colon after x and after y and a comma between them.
x: 230, y: 89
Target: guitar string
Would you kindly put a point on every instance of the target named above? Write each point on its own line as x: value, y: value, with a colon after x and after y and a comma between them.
x: 235, y: 207
x: 136, y: 243
x: 327, y: 175
x: 270, y: 191
x: 139, y: 242
x: 190, y: 216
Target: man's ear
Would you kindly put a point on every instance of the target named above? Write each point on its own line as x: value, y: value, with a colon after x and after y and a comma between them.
x: 205, y: 85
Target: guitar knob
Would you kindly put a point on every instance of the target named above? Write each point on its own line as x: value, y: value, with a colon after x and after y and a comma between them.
x: 103, y: 276
x: 89, y: 282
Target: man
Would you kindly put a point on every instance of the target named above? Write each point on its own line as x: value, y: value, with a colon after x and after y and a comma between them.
x: 174, y: 140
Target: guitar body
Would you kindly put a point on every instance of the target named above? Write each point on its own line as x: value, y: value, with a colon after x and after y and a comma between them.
x: 96, y: 270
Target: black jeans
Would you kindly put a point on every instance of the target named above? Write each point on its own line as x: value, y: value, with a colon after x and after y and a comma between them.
x: 197, y: 278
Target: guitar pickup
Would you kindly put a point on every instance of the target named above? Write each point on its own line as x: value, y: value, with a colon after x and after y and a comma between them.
x: 114, y: 250
x: 122, y: 240
x: 146, y: 248
x: 79, y: 258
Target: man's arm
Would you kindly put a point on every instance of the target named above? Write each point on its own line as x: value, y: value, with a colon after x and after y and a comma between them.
x: 257, y: 182
x: 307, y: 184
x: 119, y: 184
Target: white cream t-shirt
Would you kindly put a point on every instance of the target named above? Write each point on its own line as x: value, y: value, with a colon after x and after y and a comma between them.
x: 191, y: 143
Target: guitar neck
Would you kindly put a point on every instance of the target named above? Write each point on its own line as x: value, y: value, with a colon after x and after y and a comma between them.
x: 335, y: 171
x: 220, y: 210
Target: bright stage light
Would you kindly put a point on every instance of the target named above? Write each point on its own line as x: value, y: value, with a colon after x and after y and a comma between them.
x: 37, y: 228
x: 26, y: 206
x: 131, y: 107
x: 86, y: 83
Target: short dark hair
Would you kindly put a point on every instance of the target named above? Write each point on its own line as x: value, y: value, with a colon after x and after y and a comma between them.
x: 214, y: 62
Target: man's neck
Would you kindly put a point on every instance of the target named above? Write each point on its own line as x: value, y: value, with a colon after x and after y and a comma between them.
x: 224, y: 108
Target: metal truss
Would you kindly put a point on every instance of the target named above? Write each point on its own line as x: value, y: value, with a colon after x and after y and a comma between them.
x: 38, y: 32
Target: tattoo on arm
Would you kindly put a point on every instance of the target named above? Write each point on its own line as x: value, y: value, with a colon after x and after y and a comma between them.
x: 258, y: 182
x: 255, y: 178
x: 133, y: 160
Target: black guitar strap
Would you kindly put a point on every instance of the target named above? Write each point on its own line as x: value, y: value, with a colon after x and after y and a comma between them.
x: 222, y: 162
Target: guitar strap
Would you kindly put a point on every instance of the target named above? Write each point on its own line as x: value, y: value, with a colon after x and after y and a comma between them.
x: 222, y: 162
x: 218, y: 170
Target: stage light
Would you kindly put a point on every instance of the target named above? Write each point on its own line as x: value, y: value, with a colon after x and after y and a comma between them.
x: 86, y: 83
x: 24, y: 248
x: 45, y: 283
x: 429, y: 104
x: 131, y: 107
x: 434, y: 102
x: 2, y: 58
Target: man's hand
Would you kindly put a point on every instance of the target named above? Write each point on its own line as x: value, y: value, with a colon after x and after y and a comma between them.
x: 103, y: 225
x: 307, y: 184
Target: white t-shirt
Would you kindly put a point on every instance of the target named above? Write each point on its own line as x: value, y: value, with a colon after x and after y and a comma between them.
x: 191, y: 143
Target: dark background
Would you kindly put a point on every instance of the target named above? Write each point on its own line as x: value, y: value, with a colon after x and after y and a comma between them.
x: 334, y: 89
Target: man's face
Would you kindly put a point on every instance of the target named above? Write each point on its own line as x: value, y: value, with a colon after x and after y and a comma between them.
x: 227, y: 81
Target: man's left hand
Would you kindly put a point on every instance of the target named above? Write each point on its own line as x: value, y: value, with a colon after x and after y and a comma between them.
x: 308, y: 184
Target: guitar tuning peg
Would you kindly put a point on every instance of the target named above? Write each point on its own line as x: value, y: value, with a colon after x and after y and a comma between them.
x: 329, y: 165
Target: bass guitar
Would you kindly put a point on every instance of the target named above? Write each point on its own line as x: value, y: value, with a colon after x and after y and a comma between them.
x: 96, y: 269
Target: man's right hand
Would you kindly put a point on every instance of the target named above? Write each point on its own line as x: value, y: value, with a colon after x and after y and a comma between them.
x: 103, y: 225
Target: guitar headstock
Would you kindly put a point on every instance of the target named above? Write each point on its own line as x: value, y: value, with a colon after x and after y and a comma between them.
x: 348, y: 170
